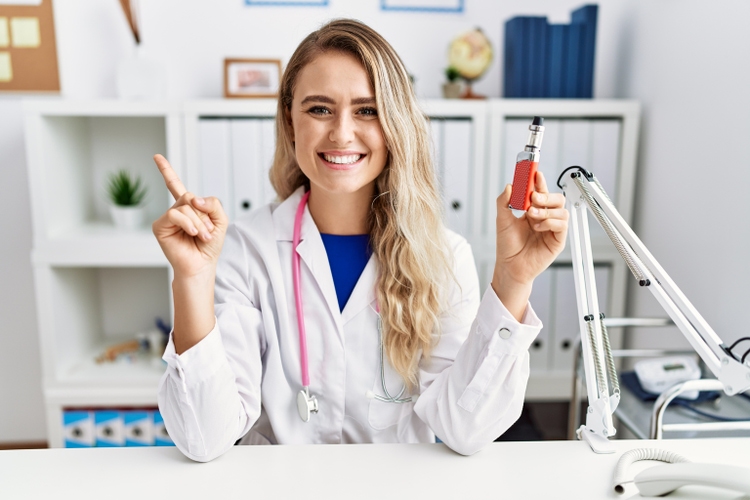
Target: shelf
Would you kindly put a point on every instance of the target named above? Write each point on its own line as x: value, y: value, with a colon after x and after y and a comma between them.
x: 87, y: 308
x: 100, y: 244
x: 71, y: 158
x: 144, y: 370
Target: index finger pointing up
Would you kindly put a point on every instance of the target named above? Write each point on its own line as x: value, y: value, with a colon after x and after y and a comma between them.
x: 174, y: 184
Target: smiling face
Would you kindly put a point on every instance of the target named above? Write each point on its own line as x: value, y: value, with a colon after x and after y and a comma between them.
x: 339, y: 144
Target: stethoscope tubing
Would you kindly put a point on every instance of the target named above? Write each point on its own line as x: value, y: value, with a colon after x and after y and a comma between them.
x: 310, y: 403
x: 298, y: 291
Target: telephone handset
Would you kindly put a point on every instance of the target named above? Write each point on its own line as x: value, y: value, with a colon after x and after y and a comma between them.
x: 664, y: 479
x: 678, y: 472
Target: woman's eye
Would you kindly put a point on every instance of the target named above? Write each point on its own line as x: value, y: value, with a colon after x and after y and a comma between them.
x: 318, y: 110
x: 368, y: 111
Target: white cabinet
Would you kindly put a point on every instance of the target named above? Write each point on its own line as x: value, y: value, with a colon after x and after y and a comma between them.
x: 96, y: 285
x: 601, y: 136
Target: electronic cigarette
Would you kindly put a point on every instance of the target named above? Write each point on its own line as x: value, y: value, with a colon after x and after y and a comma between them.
x: 527, y: 162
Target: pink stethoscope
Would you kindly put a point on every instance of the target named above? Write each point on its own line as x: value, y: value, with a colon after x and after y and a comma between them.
x: 306, y: 402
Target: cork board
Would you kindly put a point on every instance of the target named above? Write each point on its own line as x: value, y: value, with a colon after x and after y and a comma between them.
x: 28, y: 52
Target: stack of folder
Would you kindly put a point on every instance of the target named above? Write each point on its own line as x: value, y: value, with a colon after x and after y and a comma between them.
x: 550, y: 60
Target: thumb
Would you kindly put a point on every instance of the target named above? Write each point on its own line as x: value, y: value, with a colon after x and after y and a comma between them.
x: 504, y: 214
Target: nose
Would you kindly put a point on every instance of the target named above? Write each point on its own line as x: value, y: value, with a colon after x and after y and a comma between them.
x: 342, y: 130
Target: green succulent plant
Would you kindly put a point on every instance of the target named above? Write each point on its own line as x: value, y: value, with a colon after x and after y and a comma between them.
x: 452, y: 74
x: 124, y: 190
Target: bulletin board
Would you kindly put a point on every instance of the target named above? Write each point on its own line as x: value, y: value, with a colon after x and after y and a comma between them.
x: 28, y: 52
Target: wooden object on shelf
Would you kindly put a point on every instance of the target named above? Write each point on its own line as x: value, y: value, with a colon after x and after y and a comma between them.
x: 128, y: 8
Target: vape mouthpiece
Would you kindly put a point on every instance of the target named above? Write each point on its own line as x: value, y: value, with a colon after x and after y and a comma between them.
x: 536, y: 132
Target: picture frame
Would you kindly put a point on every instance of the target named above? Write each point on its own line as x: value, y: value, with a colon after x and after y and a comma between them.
x: 251, y: 78
x: 436, y: 6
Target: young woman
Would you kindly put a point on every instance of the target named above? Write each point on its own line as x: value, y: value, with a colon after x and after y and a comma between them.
x: 367, y: 324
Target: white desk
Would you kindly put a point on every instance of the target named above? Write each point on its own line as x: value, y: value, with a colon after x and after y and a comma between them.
x: 513, y: 470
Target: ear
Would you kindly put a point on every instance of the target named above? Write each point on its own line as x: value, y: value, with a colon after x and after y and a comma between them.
x: 288, y: 118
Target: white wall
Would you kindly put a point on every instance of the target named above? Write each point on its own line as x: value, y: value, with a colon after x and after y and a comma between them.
x: 660, y: 52
x: 687, y: 62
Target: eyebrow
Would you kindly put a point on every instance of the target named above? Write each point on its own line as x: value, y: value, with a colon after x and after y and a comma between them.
x: 328, y: 100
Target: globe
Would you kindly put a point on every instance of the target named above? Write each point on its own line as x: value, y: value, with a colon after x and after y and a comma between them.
x: 470, y: 54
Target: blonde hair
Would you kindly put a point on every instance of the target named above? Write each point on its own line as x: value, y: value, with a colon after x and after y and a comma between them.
x: 407, y: 234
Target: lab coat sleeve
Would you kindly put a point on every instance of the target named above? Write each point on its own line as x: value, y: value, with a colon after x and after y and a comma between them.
x: 209, y: 395
x: 473, y: 384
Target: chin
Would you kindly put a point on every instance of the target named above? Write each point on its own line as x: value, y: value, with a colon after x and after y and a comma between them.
x: 337, y: 187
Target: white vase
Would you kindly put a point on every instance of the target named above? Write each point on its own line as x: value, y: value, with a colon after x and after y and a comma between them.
x: 127, y: 217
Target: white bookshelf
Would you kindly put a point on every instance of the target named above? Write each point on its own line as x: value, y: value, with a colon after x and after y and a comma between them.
x: 96, y: 285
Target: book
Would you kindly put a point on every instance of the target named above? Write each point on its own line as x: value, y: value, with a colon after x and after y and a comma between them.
x: 586, y: 17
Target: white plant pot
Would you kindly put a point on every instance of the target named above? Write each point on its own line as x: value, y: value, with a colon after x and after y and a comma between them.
x: 452, y: 90
x: 127, y: 217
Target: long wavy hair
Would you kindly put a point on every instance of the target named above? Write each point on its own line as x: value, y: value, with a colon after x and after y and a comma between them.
x: 407, y: 233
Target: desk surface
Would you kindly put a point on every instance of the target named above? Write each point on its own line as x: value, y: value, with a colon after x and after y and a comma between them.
x: 529, y: 470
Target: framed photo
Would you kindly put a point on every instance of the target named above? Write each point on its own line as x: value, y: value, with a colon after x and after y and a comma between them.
x: 251, y: 77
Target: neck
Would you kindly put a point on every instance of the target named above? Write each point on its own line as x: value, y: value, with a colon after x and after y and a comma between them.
x: 340, y: 213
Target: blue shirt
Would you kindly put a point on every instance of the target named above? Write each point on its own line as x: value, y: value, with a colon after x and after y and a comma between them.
x: 347, y: 256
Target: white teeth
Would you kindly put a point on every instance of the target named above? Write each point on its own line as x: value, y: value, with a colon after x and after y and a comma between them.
x: 342, y: 160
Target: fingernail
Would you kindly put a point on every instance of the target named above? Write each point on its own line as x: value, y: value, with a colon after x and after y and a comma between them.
x: 200, y: 201
x: 537, y: 226
x: 535, y: 211
x: 207, y: 236
x: 193, y: 230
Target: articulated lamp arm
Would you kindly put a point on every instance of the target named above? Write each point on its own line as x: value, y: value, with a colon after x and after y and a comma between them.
x: 582, y: 192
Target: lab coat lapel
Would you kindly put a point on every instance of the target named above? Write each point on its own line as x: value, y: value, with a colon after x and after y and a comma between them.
x: 363, y: 294
x: 311, y: 251
x: 313, y: 255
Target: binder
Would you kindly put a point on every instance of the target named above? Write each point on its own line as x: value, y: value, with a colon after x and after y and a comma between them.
x: 78, y: 429
x: 549, y: 164
x: 541, y: 301
x: 436, y: 131
x: 215, y: 161
x: 550, y: 60
x: 566, y: 331
x: 571, y: 83
x: 586, y: 17
x: 138, y: 428
x: 575, y: 142
x: 456, y: 173
x: 245, y: 154
x: 605, y: 152
x: 515, y: 64
x: 557, y: 47
x: 537, y: 48
x: 108, y: 428
x: 161, y: 437
x: 267, y: 150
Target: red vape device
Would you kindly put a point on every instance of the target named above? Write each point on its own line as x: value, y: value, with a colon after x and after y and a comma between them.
x: 527, y: 162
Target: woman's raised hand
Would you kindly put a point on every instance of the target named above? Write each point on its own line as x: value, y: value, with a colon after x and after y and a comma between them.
x: 191, y: 233
x: 527, y: 245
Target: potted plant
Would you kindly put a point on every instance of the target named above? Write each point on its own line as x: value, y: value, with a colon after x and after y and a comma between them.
x: 452, y: 88
x: 126, y: 195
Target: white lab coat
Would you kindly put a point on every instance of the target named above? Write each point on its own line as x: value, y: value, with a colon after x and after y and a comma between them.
x: 242, y: 379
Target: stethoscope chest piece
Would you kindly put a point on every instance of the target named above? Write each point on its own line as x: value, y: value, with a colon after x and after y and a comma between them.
x: 306, y: 404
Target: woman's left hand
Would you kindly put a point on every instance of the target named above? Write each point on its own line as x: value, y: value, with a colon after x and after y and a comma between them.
x: 527, y: 245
